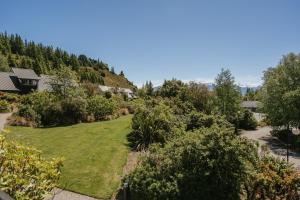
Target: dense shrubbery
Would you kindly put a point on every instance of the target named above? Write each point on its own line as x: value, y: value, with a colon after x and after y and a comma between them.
x: 100, y: 107
x: 24, y: 173
x: 213, y: 163
x: 9, y: 97
x: 203, y: 157
x: 272, y: 179
x: 4, y: 106
x: 68, y: 106
x: 152, y: 124
x: 210, y: 163
x: 247, y: 121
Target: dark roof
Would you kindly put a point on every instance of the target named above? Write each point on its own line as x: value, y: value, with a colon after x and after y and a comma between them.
x: 8, y: 82
x: 25, y: 73
x: 250, y: 104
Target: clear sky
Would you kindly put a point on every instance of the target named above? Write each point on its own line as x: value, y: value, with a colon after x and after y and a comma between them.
x: 160, y: 39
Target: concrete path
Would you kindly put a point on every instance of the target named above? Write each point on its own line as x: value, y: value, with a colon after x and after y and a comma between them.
x: 59, y: 194
x: 3, y: 117
x: 277, y: 148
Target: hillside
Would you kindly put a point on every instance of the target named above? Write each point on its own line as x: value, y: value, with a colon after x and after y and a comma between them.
x: 17, y: 52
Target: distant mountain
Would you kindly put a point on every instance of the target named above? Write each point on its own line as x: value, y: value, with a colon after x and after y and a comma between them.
x: 211, y: 86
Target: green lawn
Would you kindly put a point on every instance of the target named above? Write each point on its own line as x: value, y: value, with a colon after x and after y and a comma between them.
x: 94, y: 153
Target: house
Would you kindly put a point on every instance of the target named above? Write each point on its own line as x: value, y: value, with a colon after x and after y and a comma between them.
x: 128, y: 92
x: 19, y: 80
x: 25, y: 80
x: 251, y: 105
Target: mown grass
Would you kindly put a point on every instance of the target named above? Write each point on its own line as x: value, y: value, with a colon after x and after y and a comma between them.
x: 94, y: 153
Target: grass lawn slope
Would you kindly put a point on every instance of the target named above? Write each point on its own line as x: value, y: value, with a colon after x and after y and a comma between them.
x: 94, y: 153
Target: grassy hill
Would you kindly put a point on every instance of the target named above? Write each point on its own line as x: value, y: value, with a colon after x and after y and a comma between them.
x: 94, y: 153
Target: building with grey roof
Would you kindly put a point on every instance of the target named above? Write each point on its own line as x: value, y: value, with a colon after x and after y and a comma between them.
x: 251, y: 105
x: 19, y: 80
x: 8, y: 82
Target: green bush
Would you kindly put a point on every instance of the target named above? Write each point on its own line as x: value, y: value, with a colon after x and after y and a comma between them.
x: 9, y: 97
x: 198, y: 120
x: 24, y: 173
x: 108, y: 94
x: 273, y: 178
x: 152, y: 125
x: 52, y: 114
x: 28, y: 113
x: 100, y: 107
x: 73, y: 110
x: 247, y: 121
x: 210, y: 164
x: 4, y: 106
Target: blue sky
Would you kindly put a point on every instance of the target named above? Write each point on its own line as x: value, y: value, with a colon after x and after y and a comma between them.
x: 160, y: 39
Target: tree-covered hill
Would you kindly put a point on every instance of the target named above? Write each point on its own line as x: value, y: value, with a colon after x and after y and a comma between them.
x: 18, y: 52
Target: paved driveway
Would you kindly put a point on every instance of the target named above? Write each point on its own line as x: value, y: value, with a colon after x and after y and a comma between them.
x: 263, y: 136
x: 3, y: 117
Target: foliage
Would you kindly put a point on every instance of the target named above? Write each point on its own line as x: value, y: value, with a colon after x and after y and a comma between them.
x: 90, y: 89
x: 4, y: 106
x: 273, y: 179
x: 9, y: 97
x: 171, y: 88
x: 227, y: 95
x: 90, y: 75
x: 200, y: 97
x: 63, y: 80
x: 24, y: 173
x: 28, y: 113
x: 73, y: 110
x: 146, y: 90
x: 38, y: 107
x: 280, y: 92
x: 197, y: 120
x: 247, y: 120
x: 251, y: 95
x: 212, y: 163
x: 100, y: 107
x: 108, y: 94
x: 152, y: 124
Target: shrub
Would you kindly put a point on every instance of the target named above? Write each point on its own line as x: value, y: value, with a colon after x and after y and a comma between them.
x: 4, y: 106
x: 123, y: 111
x: 19, y: 121
x: 28, y: 113
x: 73, y: 110
x: 24, y: 173
x: 152, y: 125
x: 108, y: 94
x: 52, y: 114
x: 9, y: 97
x: 248, y: 122
x: 198, y: 120
x: 100, y: 107
x: 212, y: 163
x: 273, y: 179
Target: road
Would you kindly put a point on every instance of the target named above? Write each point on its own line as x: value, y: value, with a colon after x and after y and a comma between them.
x: 263, y: 136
